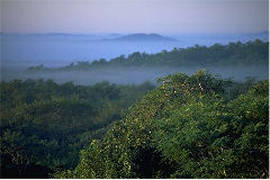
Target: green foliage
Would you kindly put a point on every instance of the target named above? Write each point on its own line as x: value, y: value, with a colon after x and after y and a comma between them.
x: 236, y: 54
x: 185, y: 128
x: 44, y: 124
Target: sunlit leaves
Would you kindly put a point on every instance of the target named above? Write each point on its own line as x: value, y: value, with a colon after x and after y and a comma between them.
x: 185, y: 128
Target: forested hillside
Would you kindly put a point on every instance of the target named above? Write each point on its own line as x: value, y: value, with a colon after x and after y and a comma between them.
x: 44, y: 125
x: 233, y: 54
x: 134, y: 89
x: 197, y: 126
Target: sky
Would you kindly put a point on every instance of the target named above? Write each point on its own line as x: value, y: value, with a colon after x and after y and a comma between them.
x: 134, y: 16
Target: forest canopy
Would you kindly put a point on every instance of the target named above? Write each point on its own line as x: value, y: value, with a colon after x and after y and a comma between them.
x: 44, y: 125
x: 188, y: 127
x: 233, y: 54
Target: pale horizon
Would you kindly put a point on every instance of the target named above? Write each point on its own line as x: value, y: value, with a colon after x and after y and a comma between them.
x: 134, y: 16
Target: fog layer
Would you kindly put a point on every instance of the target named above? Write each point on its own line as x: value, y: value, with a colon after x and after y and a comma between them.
x: 132, y: 75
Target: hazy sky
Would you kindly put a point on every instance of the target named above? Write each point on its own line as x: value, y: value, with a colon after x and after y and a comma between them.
x: 129, y: 16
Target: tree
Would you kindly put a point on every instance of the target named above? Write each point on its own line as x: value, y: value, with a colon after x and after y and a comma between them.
x: 44, y: 124
x: 184, y: 129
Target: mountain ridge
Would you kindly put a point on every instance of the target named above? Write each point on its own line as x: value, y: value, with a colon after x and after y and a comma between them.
x: 142, y: 37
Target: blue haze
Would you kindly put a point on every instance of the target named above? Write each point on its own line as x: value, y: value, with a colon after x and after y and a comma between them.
x: 20, y: 51
x: 54, y: 50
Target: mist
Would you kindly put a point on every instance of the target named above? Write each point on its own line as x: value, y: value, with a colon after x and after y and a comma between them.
x: 55, y: 50
x: 132, y: 75
x: 19, y: 52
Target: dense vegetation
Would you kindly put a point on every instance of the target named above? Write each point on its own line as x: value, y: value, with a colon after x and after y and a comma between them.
x: 197, y: 126
x: 236, y: 54
x: 44, y: 124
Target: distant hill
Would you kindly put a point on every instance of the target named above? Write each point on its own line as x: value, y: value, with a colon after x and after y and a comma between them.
x: 251, y: 53
x: 143, y: 37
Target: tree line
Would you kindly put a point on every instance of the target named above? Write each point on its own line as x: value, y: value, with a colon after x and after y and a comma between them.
x: 235, y: 53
